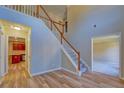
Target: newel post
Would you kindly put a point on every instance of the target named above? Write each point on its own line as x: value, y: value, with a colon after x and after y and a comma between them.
x: 61, y: 37
x: 78, y: 61
x: 51, y: 23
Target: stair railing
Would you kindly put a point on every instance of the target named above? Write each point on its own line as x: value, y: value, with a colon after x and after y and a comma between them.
x: 35, y: 11
x: 61, y: 33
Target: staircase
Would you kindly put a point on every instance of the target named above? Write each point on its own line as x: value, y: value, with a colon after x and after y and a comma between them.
x: 73, y: 58
x: 58, y: 29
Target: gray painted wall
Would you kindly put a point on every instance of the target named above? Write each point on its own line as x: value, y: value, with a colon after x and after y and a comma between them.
x: 108, y: 20
x: 46, y: 50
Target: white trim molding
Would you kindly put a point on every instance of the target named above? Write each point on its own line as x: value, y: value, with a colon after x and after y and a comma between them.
x: 121, y: 78
x: 43, y: 72
x: 51, y: 70
x: 69, y: 71
x: 117, y: 35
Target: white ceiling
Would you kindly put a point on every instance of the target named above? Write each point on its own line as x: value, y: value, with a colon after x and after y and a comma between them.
x: 58, y: 10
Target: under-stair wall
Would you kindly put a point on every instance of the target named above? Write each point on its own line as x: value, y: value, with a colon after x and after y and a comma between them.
x: 66, y: 64
x: 45, y: 48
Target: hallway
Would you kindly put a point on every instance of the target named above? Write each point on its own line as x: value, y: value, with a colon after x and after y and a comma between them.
x: 17, y: 73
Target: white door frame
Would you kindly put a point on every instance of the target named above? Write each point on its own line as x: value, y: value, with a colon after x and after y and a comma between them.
x: 2, y: 58
x: 3, y: 55
x: 27, y: 51
x: 120, y: 61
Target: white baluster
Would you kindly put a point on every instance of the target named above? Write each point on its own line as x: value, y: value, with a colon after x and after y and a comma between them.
x: 14, y: 7
x: 23, y: 8
x: 26, y: 9
x: 32, y: 10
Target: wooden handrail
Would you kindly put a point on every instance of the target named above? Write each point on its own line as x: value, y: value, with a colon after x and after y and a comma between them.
x: 45, y: 12
x: 63, y: 37
x: 70, y: 45
x: 49, y: 20
x: 77, y: 52
x: 59, y: 30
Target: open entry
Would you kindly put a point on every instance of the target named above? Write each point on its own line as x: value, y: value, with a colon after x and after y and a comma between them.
x: 17, y: 55
x: 15, y: 50
x: 105, y: 55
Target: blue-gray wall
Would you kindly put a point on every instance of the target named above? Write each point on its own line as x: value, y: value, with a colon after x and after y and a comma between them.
x: 46, y: 51
x: 109, y: 20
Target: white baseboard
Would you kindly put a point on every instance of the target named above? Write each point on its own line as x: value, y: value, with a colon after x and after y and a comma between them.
x: 85, y: 63
x: 51, y: 70
x: 121, y: 78
x: 4, y: 74
x: 69, y: 71
x: 60, y: 68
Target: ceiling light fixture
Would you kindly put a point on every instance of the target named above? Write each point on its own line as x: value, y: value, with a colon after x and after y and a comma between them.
x: 16, y: 27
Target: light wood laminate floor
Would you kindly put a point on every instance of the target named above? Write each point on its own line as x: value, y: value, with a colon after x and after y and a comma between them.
x: 19, y: 77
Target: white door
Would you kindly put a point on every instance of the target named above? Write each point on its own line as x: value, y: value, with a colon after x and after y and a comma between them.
x: 2, y: 55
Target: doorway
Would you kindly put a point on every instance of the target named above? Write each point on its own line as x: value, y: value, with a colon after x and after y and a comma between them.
x: 15, y: 46
x: 106, y: 55
x: 17, y: 55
